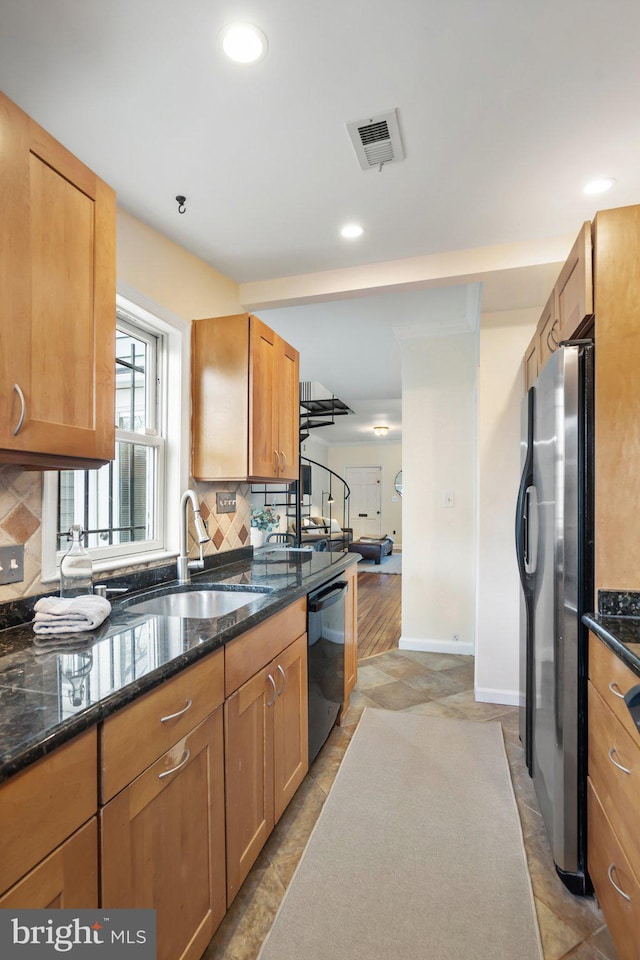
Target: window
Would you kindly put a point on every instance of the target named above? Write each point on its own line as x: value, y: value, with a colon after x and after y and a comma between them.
x: 121, y: 506
x: 118, y: 504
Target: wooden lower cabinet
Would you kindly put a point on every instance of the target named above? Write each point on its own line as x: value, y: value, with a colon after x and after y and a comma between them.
x: 163, y: 842
x: 41, y: 807
x: 614, y: 798
x: 615, y: 883
x: 266, y: 749
x: 67, y: 878
x: 350, y: 638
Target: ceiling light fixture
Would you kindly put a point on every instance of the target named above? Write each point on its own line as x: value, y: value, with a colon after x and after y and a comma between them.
x: 381, y: 431
x: 599, y: 185
x: 244, y: 42
x: 351, y: 231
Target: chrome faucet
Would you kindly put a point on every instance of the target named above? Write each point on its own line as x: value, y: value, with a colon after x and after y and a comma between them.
x: 183, y: 563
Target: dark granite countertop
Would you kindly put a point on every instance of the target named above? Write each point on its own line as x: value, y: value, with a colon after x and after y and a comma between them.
x: 617, y: 623
x: 48, y: 696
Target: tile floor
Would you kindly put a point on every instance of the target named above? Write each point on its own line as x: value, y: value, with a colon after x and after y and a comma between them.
x: 437, y: 685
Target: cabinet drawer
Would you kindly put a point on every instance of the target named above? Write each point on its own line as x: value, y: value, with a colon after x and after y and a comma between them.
x: 608, y: 865
x: 66, y: 879
x: 610, y: 749
x: 612, y: 679
x: 252, y: 651
x: 140, y: 733
x: 45, y: 804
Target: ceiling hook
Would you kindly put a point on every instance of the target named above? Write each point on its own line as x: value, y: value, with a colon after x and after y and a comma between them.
x: 181, y: 201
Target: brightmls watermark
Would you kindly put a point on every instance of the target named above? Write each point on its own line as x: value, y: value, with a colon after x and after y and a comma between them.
x: 101, y: 934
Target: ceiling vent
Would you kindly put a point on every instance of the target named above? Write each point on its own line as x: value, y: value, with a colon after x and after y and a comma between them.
x: 376, y: 140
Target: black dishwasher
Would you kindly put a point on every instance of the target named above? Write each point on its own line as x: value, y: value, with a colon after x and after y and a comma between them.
x: 325, y: 635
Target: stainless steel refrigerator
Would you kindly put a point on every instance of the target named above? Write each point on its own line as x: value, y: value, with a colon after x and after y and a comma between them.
x: 554, y: 546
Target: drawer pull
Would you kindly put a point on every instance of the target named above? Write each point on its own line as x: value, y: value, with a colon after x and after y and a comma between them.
x: 185, y: 759
x: 625, y: 896
x: 615, y: 762
x: 284, y: 680
x: 615, y: 690
x: 172, y: 716
x: 270, y: 703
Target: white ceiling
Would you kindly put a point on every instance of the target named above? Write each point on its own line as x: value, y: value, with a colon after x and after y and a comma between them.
x: 506, y: 109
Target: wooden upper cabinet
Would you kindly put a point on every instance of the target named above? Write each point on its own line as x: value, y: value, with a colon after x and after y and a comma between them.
x: 568, y: 308
x: 245, y: 401
x: 546, y: 338
x: 574, y: 288
x: 57, y: 281
x: 531, y: 362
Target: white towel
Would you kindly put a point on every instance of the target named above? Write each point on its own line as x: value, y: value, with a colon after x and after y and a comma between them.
x: 55, y: 615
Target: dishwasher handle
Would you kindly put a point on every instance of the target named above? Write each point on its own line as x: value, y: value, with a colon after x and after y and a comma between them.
x: 320, y: 601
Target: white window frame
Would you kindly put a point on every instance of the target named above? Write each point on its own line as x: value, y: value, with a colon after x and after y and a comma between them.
x: 172, y: 412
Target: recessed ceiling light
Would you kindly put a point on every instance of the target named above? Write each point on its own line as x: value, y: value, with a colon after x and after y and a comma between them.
x: 351, y: 230
x: 599, y: 185
x: 244, y: 42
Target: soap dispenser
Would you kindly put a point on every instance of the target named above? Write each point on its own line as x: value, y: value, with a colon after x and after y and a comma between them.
x: 76, y: 567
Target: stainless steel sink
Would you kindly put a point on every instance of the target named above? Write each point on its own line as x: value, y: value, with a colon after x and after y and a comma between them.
x: 197, y: 604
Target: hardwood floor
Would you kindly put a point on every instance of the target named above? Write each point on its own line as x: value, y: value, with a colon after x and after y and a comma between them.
x: 379, y: 608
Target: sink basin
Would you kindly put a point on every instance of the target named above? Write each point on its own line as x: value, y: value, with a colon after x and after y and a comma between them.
x: 197, y: 604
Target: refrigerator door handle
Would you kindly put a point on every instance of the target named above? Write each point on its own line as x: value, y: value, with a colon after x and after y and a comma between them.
x: 532, y: 530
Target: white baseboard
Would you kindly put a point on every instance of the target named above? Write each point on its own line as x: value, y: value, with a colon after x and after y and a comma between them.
x: 436, y: 646
x: 488, y: 695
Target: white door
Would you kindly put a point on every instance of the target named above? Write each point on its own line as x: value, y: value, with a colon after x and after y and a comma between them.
x: 364, y: 514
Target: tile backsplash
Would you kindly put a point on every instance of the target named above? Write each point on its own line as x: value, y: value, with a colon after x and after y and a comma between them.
x: 21, y: 521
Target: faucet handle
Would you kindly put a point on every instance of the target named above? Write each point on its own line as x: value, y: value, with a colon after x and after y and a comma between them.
x: 102, y: 590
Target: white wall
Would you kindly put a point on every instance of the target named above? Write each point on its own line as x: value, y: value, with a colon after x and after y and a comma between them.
x: 439, y: 456
x: 385, y: 455
x: 503, y: 339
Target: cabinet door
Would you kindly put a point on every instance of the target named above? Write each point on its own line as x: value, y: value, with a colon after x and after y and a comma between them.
x: 350, y: 637
x: 249, y: 775
x: 163, y: 843
x: 546, y: 339
x: 290, y: 723
x: 57, y: 275
x: 66, y: 879
x: 574, y: 289
x: 288, y: 410
x: 531, y: 363
x: 263, y: 401
x: 615, y: 883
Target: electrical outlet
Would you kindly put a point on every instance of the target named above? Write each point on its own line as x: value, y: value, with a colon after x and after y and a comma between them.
x: 12, y: 564
x: 456, y: 638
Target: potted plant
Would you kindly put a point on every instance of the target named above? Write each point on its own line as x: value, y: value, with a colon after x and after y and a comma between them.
x: 263, y: 521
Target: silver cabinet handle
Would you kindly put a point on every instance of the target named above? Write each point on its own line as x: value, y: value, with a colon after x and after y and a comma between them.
x: 625, y: 896
x: 18, y: 427
x: 172, y: 716
x: 615, y: 690
x: 276, y: 462
x: 270, y: 703
x: 185, y: 759
x: 615, y: 762
x: 554, y: 325
x: 284, y: 680
x: 284, y: 460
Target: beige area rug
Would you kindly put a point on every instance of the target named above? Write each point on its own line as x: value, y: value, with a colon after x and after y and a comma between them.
x: 417, y: 853
x: 390, y: 564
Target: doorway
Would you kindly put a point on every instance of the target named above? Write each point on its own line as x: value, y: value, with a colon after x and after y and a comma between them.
x: 365, y: 484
